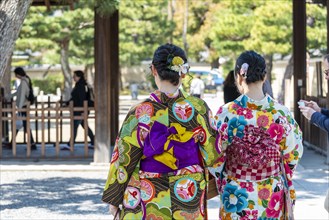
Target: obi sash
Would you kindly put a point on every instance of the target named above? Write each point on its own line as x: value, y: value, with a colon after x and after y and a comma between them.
x: 253, y: 157
x: 167, y: 149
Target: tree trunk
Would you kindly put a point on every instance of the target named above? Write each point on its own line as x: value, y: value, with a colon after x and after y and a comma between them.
x: 64, y: 45
x: 12, y: 15
x: 185, y: 28
x: 5, y: 82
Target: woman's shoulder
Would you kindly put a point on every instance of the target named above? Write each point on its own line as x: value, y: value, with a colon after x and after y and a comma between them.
x: 278, y: 106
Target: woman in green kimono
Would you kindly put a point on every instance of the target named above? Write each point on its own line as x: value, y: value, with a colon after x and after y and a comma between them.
x: 158, y: 167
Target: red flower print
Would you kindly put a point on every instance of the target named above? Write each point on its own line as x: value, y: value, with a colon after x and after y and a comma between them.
x: 275, y: 205
x: 262, y: 121
x: 264, y: 193
x: 250, y: 215
x: 247, y: 185
x: 220, y: 110
x: 247, y: 113
x: 276, y: 132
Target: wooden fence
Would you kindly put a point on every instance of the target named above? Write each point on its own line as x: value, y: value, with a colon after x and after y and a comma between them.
x: 46, y: 116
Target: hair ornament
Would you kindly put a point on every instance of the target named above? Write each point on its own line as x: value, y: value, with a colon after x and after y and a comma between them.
x: 244, y: 70
x: 177, y: 64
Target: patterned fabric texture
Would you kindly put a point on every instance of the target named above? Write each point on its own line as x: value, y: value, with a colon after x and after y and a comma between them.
x: 157, y: 169
x: 255, y: 138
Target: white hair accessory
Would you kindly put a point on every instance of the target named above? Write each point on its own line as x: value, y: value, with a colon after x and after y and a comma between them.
x: 244, y: 70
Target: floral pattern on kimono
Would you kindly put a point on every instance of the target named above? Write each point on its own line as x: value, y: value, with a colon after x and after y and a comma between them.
x: 255, y: 138
x: 157, y: 169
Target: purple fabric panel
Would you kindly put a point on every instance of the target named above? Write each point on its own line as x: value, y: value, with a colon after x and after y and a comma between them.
x: 157, y: 138
x: 186, y: 154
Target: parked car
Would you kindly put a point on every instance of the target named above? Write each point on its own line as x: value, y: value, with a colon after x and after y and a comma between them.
x: 212, y: 79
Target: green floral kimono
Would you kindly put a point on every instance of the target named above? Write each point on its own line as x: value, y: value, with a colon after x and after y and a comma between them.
x: 158, y: 165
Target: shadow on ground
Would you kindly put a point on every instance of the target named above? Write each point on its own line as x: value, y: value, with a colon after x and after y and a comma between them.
x: 65, y: 195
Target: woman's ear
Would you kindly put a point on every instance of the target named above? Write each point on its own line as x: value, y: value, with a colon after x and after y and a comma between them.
x: 239, y: 80
x: 154, y: 71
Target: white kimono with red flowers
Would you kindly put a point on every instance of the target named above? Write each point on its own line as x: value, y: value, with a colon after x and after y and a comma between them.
x: 260, y: 145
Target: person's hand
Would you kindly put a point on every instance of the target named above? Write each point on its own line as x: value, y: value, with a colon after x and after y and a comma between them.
x: 307, y: 111
x: 312, y: 105
x: 113, y: 210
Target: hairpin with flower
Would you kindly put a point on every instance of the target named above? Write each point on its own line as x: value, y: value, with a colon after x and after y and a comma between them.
x: 244, y: 70
x: 177, y: 64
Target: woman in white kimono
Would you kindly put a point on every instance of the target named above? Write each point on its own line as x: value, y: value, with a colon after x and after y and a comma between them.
x: 260, y: 145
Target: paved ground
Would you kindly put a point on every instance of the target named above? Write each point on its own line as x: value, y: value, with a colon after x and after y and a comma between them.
x: 72, y: 189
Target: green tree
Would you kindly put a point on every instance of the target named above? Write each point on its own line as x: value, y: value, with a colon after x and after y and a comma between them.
x: 144, y: 25
x: 224, y: 29
x: 316, y: 29
x: 271, y: 31
x: 59, y: 27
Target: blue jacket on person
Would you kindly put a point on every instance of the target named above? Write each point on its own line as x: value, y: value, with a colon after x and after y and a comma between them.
x: 321, y: 119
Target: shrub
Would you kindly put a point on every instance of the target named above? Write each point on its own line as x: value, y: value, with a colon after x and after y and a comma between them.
x: 50, y: 83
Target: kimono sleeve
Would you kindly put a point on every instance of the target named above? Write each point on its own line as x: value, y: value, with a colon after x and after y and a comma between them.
x: 207, y: 146
x: 291, y: 147
x: 220, y: 121
x: 124, y: 162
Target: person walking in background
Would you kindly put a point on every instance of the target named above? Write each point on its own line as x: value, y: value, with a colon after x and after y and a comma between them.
x: 230, y: 90
x: 197, y: 86
x: 79, y: 94
x: 260, y: 145
x: 134, y: 90
x: 23, y: 93
x: 164, y: 146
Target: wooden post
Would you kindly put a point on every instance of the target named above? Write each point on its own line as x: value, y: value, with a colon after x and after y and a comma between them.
x: 299, y: 52
x: 28, y: 130
x: 85, y: 124
x: 43, y: 149
x: 71, y: 126
x: 106, y: 85
x: 13, y: 139
x: 57, y: 130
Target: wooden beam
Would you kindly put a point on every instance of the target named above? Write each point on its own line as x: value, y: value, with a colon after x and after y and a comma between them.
x: 106, y: 85
x: 299, y: 53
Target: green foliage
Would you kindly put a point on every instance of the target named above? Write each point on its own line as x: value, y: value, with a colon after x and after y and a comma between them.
x: 143, y: 27
x: 106, y: 7
x: 219, y: 28
x: 46, y: 31
x: 271, y: 31
x: 316, y: 29
x: 50, y: 83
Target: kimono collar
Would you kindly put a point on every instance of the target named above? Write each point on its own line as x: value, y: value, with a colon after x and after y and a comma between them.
x: 162, y: 97
x: 245, y: 101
